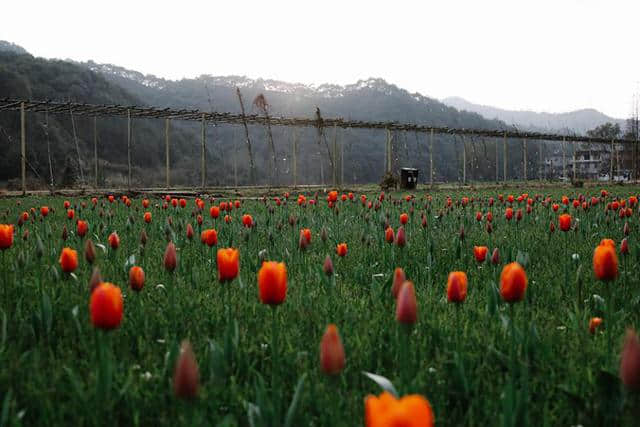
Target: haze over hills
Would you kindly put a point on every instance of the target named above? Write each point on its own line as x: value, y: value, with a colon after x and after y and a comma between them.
x: 579, y: 121
x: 373, y: 99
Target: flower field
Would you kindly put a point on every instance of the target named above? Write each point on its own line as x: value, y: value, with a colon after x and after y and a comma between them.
x: 322, y: 309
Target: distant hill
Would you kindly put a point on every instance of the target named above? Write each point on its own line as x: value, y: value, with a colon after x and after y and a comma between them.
x: 579, y: 121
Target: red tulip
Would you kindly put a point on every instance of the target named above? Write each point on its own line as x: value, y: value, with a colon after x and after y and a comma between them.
x: 406, y: 305
x: 186, y: 376
x: 332, y: 359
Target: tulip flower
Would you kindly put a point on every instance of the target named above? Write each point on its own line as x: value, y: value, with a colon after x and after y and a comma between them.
x: 6, y: 236
x: 332, y: 359
x: 480, y: 253
x: 457, y: 286
x: 404, y: 218
x: 189, y: 232
x: 186, y: 374
x: 44, y: 211
x: 209, y: 237
x: 605, y: 261
x: 82, y: 227
x: 228, y: 264
x: 136, y: 278
x: 389, y: 235
x: 341, y: 249
x: 406, y: 304
x: 247, y: 220
x: 114, y: 240
x: 398, y: 280
x: 513, y: 282
x: 387, y: 411
x: 170, y: 257
x: 401, y: 238
x: 147, y: 217
x: 594, y: 323
x: 68, y: 260
x: 564, y: 221
x: 272, y: 283
x: 327, y: 267
x: 630, y: 361
x: 105, y: 306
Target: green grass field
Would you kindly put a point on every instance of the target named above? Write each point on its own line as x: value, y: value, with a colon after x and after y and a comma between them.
x: 481, y: 362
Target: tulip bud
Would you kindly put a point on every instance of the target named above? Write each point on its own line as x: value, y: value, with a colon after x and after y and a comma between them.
x: 630, y: 361
x: 95, y: 279
x: 489, y: 228
x: 64, y: 233
x: 89, y: 251
x: 552, y: 227
x: 332, y: 358
x: 626, y: 228
x: 185, y: 374
x: 143, y: 238
x: 25, y: 235
x: 406, y: 305
x: 302, y: 242
x: 189, y: 232
x: 624, y: 247
x: 399, y: 278
x: 323, y: 234
x: 462, y: 232
x: 170, y: 257
x: 495, y: 257
x: 401, y: 239
x: 327, y: 267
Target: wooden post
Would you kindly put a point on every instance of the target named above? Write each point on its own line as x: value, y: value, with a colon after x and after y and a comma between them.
x: 23, y: 148
x: 611, y: 164
x: 342, y: 163
x: 203, y: 164
x: 294, y: 149
x: 504, y: 160
x: 497, y: 164
x: 166, y: 152
x: 95, y: 148
x: 564, y: 164
x: 129, y: 147
x: 574, y: 160
x: 335, y: 156
x: 235, y: 161
x: 389, y: 155
x: 464, y: 161
x: 431, y: 159
x: 541, y: 161
x: 524, y: 158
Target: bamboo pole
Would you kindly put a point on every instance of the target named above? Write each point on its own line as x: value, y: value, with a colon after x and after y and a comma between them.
x: 389, y: 155
x: 524, y: 158
x: 611, y: 163
x: 464, y: 161
x: 203, y: 163
x: 431, y: 159
x: 342, y: 163
x: 46, y: 126
x: 294, y: 150
x: 75, y: 140
x: 235, y: 161
x: 541, y: 165
x: 564, y: 163
x: 95, y: 149
x: 23, y: 148
x: 335, y: 156
x: 166, y: 152
x: 574, y: 161
x: 504, y: 160
x: 497, y: 164
x: 129, y: 147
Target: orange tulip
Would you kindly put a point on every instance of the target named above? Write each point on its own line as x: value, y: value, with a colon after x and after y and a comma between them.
x: 145, y: 203
x: 6, y: 236
x: 332, y: 358
x: 341, y: 249
x: 170, y: 257
x: 147, y: 217
x: 594, y: 324
x: 404, y: 218
x: 457, y: 286
x: 480, y: 253
x: 406, y: 304
x: 66, y: 204
x: 386, y: 411
x: 228, y: 264
x: 605, y: 262
x: 247, y: 220
x: 630, y: 361
x: 44, y: 211
x: 272, y: 282
x: 105, y: 306
x: 307, y: 234
x: 227, y: 219
x: 398, y: 279
x: 114, y: 240
x: 333, y: 196
x: 508, y: 214
x: 210, y: 237
x: 68, y: 260
x: 82, y: 227
x: 388, y: 235
x: 186, y: 375
x: 70, y: 213
x: 513, y: 282
x: 214, y: 211
x: 136, y: 278
x: 564, y: 221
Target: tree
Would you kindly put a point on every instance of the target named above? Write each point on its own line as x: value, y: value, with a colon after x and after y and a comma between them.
x: 607, y: 130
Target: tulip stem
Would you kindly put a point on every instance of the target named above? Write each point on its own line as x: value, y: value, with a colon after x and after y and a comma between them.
x: 274, y: 352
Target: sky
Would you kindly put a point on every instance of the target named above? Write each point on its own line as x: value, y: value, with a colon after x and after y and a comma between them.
x: 544, y: 55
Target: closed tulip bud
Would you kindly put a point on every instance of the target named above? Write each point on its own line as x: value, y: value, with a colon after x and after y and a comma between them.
x: 495, y: 257
x: 401, y: 238
x: 332, y: 358
x: 624, y: 247
x: 302, y: 241
x: 186, y: 376
x: 143, y: 238
x: 272, y: 283
x: 327, y: 267
x: 462, y: 232
x: 323, y: 234
x: 406, y: 305
x: 552, y: 227
x: 89, y: 251
x: 25, y: 235
x: 68, y: 260
x: 457, y: 286
x: 189, y: 232
x: 399, y: 277
x: 170, y: 257
x: 605, y: 261
x: 630, y: 361
x: 136, y: 278
x: 106, y: 306
x: 65, y: 234
x: 513, y: 282
x: 489, y: 228
x: 594, y: 324
x: 626, y: 230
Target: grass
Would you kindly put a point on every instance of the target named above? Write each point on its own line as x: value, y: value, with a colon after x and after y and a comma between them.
x: 481, y: 363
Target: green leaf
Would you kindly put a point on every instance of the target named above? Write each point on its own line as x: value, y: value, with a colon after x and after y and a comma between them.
x: 383, y: 382
x: 293, y: 406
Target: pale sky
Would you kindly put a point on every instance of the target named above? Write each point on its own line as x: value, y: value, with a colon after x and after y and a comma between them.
x: 543, y: 55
